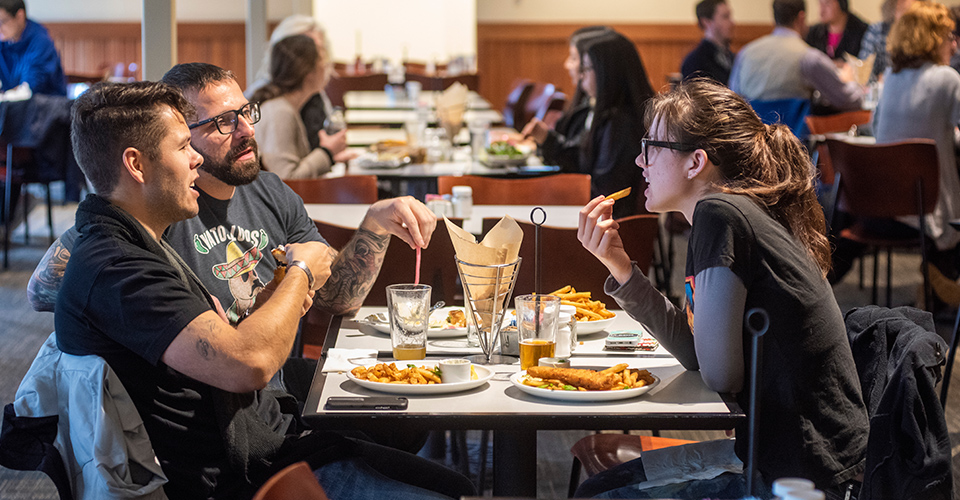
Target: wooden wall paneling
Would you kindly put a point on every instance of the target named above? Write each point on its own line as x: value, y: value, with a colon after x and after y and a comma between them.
x: 91, y: 48
x: 506, y: 52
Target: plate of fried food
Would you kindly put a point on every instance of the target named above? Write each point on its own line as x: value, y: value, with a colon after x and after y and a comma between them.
x: 414, y: 379
x: 582, y: 384
x: 390, y: 154
x: 592, y: 315
x: 445, y: 322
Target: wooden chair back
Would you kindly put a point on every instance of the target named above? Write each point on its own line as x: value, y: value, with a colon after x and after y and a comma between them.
x: 341, y: 84
x: 351, y: 189
x: 887, y: 180
x: 516, y: 102
x: 294, y: 481
x: 559, y: 189
x: 564, y: 261
x: 437, y: 268
x: 840, y: 122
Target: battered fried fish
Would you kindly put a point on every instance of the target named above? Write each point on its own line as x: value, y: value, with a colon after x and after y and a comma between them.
x: 588, y: 379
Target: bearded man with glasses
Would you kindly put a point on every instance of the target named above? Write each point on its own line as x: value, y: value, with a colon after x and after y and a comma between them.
x: 245, y: 212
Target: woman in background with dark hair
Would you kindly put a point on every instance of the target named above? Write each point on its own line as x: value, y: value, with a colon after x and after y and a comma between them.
x: 613, y: 75
x: 561, y: 145
x: 839, y: 32
x: 757, y: 240
x: 297, y: 73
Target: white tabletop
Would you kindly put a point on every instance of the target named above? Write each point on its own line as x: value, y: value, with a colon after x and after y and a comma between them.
x: 365, y: 136
x: 379, y: 99
x: 566, y: 216
x: 679, y: 392
x: 401, y: 116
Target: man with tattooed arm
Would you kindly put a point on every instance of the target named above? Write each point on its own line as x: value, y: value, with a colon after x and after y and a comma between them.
x: 245, y: 212
x: 198, y: 381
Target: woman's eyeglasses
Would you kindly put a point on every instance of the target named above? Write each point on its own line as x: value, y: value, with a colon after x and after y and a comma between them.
x: 227, y: 121
x: 676, y: 146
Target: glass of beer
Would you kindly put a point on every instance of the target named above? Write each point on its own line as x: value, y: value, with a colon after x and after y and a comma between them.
x: 537, y: 321
x: 408, y: 307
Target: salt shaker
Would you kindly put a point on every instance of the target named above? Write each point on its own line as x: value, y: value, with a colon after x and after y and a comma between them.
x: 571, y: 312
x: 563, y: 335
x: 462, y: 201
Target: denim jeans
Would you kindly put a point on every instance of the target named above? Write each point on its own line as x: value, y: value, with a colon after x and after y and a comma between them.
x: 353, y: 479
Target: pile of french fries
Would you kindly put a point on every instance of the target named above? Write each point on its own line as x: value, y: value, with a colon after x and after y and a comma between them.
x: 390, y: 374
x: 628, y: 379
x: 587, y: 310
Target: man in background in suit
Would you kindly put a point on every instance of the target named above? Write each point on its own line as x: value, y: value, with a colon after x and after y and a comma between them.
x: 712, y: 57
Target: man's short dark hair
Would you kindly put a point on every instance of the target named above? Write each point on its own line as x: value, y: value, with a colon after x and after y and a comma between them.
x: 13, y: 6
x: 785, y: 12
x: 194, y: 77
x: 706, y: 9
x: 110, y: 117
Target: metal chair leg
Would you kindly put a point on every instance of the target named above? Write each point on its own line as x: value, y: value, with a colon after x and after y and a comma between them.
x: 951, y: 356
x: 876, y: 274
x: 889, y: 275
x: 574, y: 477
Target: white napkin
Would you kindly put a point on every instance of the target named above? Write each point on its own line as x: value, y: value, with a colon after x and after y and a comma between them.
x: 344, y: 360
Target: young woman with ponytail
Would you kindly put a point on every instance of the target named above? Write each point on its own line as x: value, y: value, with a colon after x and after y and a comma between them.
x: 297, y: 73
x: 757, y: 240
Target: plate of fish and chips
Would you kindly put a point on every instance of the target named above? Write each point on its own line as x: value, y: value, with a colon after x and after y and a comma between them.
x: 584, y: 384
x: 414, y: 379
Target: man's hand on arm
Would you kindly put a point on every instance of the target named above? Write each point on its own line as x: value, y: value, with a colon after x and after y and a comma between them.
x: 244, y: 358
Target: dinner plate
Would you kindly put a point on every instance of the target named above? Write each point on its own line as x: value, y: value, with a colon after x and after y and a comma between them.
x: 483, y: 373
x: 594, y: 326
x: 581, y: 395
x: 432, y: 333
x: 499, y: 161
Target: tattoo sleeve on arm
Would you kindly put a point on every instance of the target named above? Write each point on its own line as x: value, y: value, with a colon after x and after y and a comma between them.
x: 45, y: 283
x: 353, y: 272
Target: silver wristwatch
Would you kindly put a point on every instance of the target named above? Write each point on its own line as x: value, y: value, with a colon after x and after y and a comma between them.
x: 303, y: 265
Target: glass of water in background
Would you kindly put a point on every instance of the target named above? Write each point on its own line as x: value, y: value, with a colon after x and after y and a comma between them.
x: 335, y: 121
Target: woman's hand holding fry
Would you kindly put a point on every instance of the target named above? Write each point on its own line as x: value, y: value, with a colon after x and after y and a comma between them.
x: 599, y: 233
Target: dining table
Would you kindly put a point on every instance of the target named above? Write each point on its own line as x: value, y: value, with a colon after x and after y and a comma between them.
x: 398, y: 117
x: 380, y: 99
x: 679, y: 399
x: 351, y: 215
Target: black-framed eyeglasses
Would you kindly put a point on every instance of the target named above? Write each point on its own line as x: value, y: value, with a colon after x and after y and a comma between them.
x: 227, y: 121
x: 676, y: 146
x: 584, y: 69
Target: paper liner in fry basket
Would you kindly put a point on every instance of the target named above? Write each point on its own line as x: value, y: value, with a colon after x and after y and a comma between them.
x: 488, y: 270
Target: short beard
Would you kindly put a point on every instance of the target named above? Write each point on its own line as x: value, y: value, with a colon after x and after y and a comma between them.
x: 230, y: 172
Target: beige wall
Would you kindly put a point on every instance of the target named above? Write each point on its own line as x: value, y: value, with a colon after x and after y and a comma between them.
x: 423, y: 30
x: 639, y: 11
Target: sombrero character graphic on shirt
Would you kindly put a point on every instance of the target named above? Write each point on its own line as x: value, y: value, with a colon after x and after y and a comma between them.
x: 239, y: 271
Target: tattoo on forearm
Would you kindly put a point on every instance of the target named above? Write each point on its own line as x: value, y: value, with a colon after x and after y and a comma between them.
x: 205, y: 349
x: 45, y: 282
x: 353, y: 273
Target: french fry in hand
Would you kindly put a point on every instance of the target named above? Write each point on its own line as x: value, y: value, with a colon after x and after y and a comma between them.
x: 619, y: 194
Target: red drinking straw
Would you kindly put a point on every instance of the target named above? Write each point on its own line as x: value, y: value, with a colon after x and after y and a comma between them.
x: 416, y: 276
